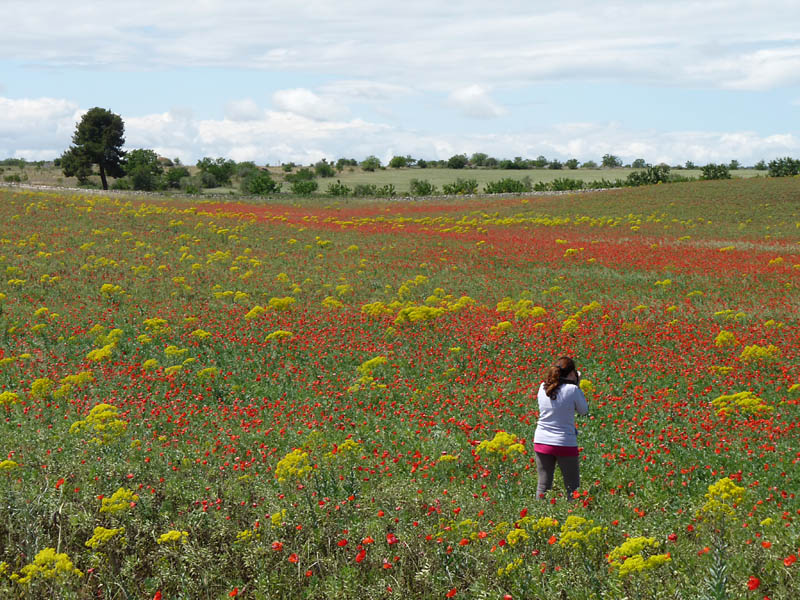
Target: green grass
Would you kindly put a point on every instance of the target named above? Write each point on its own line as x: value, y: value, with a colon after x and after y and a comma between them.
x: 400, y: 178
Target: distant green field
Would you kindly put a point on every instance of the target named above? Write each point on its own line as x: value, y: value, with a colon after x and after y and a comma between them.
x: 400, y: 178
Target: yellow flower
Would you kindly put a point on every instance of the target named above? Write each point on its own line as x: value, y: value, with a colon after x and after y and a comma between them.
x: 8, y: 398
x: 295, y: 465
x: 173, y: 537
x: 516, y: 536
x: 725, y: 339
x: 8, y: 465
x: 102, y: 536
x: 103, y: 423
x: 279, y: 334
x: 501, y: 327
x: 208, y: 373
x: 281, y: 304
x: 502, y: 444
x: 332, y: 303
x: 41, y: 388
x: 578, y: 532
x: 48, y: 564
x: 278, y: 518
x: 722, y: 499
x: 367, y: 367
x: 745, y: 403
x: 120, y: 501
x: 762, y: 354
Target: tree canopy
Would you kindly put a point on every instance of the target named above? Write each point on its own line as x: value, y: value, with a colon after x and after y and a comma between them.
x: 97, y: 140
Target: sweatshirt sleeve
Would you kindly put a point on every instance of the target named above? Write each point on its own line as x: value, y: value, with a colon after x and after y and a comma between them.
x: 581, y: 406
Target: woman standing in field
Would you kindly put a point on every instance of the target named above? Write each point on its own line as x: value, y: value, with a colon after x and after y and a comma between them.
x: 555, y: 440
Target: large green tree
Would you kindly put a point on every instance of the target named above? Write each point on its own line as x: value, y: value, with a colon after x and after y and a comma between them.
x: 97, y: 140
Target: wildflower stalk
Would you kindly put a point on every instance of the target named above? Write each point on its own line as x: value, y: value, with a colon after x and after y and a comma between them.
x: 718, y: 572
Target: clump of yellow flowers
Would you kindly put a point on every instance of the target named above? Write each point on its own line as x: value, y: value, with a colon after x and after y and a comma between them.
x: 762, y: 354
x: 48, y: 564
x: 103, y: 423
x: 295, y: 465
x: 722, y: 499
x: 580, y: 533
x: 120, y: 501
x: 725, y: 339
x: 628, y: 558
x: 503, y: 444
x: 102, y: 536
x: 173, y: 537
x: 745, y: 403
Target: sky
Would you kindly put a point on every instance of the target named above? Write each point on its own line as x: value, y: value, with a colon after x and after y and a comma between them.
x: 275, y: 81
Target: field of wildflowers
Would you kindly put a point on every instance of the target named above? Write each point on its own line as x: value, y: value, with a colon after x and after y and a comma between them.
x: 303, y: 401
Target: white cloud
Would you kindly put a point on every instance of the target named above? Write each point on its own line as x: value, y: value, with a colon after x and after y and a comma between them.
x: 306, y: 103
x: 733, y: 44
x: 243, y: 110
x: 474, y: 101
x: 31, y: 126
x: 362, y: 90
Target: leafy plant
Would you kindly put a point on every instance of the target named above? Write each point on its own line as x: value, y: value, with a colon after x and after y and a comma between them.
x: 421, y: 187
x: 460, y: 187
x: 716, y: 171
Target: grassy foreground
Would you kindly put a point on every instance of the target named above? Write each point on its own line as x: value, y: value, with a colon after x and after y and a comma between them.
x: 214, y: 400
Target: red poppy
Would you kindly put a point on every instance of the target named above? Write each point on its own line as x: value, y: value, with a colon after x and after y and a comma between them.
x: 753, y: 583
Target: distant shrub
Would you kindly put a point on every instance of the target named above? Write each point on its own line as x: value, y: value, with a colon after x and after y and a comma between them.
x: 650, y: 176
x: 555, y: 164
x: 245, y: 169
x: 506, y: 186
x: 13, y: 178
x: 208, y: 180
x: 460, y: 187
x: 122, y: 184
x: 604, y: 184
x: 338, y: 189
x: 715, y: 171
x: 365, y: 190
x: 303, y: 174
x: 371, y: 163
x: 260, y: 183
x: 220, y: 169
x: 288, y: 167
x: 760, y: 166
x: 421, y: 187
x: 784, y: 167
x: 387, y: 191
x: 304, y: 187
x: 563, y: 184
x: 173, y: 176
x: 324, y: 169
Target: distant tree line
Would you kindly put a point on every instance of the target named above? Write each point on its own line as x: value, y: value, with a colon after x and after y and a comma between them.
x: 99, y: 137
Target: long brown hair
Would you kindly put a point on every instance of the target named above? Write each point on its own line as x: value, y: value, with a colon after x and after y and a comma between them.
x: 556, y: 374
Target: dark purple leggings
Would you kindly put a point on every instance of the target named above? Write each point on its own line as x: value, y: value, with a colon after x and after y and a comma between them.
x: 546, y: 468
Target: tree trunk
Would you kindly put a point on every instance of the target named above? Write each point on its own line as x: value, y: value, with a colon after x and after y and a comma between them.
x: 103, y: 176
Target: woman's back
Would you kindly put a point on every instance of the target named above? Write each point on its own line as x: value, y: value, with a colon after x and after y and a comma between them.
x: 556, y: 424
